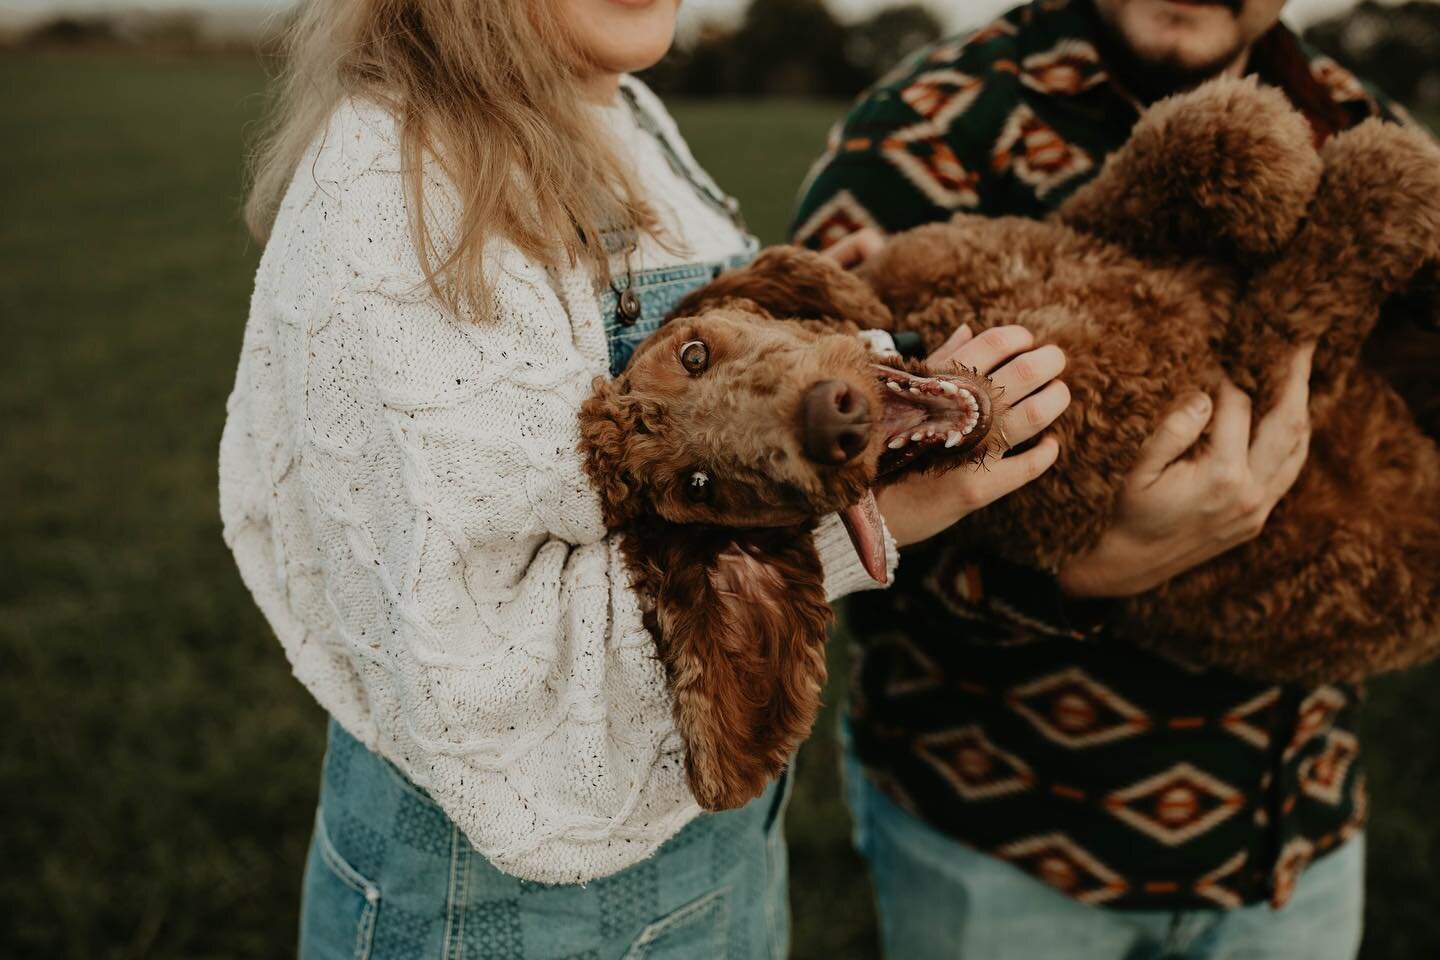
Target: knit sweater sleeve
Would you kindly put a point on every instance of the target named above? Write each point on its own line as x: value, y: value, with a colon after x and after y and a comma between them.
x: 405, y: 498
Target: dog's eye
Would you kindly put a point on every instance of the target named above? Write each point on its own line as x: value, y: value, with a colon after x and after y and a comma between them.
x: 698, y: 488
x: 695, y: 356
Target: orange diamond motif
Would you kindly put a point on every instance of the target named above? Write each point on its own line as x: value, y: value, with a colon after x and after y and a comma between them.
x: 1073, y: 709
x: 927, y: 161
x: 1342, y: 84
x: 940, y: 96
x: 911, y: 670
x: 1316, y: 715
x: 1323, y: 775
x: 1071, y: 67
x: 1293, y: 860
x: 1066, y: 866
x: 975, y: 767
x: 1176, y: 805
x: 1037, y: 154
x: 1213, y: 886
x: 1261, y: 707
x: 834, y: 220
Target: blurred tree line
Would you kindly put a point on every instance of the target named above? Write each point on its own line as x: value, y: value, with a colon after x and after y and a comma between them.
x: 1395, y: 47
x: 793, y: 48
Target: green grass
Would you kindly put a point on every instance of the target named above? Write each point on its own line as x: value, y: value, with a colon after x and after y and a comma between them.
x: 159, y: 768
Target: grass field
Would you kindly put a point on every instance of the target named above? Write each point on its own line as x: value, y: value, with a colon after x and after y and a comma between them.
x: 158, y: 772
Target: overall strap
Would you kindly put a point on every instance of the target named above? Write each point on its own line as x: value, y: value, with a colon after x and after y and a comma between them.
x: 698, y: 179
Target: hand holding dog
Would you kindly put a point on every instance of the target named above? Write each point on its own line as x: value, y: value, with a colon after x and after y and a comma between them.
x: 919, y: 507
x: 1178, y: 512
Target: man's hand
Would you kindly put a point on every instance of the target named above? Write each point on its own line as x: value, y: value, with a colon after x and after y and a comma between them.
x: 919, y: 507
x: 856, y: 248
x: 1178, y: 513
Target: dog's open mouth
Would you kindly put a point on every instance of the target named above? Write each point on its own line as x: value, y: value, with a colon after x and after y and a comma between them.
x: 926, y: 416
x: 930, y: 415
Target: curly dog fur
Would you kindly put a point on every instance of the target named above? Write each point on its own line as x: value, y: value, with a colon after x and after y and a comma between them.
x: 737, y: 601
x: 1214, y: 242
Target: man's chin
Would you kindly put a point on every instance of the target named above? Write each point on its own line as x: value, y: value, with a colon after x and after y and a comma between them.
x: 1173, y: 72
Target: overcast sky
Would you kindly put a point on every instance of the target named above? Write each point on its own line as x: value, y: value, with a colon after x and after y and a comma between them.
x: 958, y: 14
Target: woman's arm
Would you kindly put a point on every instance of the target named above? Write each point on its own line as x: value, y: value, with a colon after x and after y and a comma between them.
x: 404, y: 495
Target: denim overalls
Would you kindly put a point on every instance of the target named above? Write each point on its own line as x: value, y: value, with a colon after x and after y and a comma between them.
x: 390, y: 877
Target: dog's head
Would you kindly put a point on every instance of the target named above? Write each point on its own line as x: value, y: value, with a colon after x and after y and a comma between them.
x: 733, y: 414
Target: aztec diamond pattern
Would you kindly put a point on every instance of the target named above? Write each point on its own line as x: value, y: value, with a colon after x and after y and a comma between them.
x: 1069, y: 68
x: 975, y: 767
x: 1213, y: 885
x: 1176, y: 805
x: 940, y: 96
x: 927, y: 161
x: 912, y: 670
x: 1073, y: 709
x: 1037, y: 154
x: 1294, y: 858
x: 1343, y: 85
x: 1323, y: 775
x: 1317, y: 714
x: 1251, y: 719
x: 836, y: 219
x: 1000, y: 28
x: 1067, y: 867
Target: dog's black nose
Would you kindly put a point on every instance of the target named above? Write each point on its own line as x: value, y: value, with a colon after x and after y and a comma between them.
x: 837, y: 422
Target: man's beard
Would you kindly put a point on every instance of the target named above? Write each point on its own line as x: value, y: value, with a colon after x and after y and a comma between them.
x: 1152, y: 79
x: 1167, y: 75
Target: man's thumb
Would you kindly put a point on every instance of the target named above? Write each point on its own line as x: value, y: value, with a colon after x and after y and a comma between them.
x: 1176, y: 434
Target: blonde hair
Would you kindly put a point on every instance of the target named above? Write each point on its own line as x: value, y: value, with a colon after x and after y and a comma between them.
x: 489, y: 89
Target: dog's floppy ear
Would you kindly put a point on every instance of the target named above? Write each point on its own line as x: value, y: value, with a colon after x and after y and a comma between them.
x: 609, y: 421
x: 739, y: 618
x: 792, y: 283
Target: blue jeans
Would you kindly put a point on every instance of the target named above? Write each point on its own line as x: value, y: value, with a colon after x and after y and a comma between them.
x: 389, y: 876
x: 939, y: 898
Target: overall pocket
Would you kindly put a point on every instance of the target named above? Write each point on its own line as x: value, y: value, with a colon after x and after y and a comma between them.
x: 339, y: 906
x: 694, y: 932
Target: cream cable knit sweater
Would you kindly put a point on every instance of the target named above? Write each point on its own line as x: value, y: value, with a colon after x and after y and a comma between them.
x: 404, y: 497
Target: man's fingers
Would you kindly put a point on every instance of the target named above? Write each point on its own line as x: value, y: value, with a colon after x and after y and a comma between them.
x: 947, y: 350
x: 856, y: 248
x: 1287, y: 425
x: 1176, y: 434
x: 1036, y: 412
x: 1000, y: 477
x: 1230, y: 426
x: 993, y: 347
x: 1028, y: 372
x: 1288, y: 470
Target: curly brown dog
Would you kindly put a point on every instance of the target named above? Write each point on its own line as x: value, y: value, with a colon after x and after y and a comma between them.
x: 716, y: 451
x: 1215, y: 241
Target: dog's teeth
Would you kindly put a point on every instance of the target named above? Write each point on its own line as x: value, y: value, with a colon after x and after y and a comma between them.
x: 915, y: 390
x: 929, y: 432
x: 897, y: 443
x: 953, y: 438
x: 893, y: 385
x: 918, y: 435
x: 949, y: 387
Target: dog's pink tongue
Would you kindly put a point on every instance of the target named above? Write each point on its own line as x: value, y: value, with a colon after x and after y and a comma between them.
x: 867, y: 532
